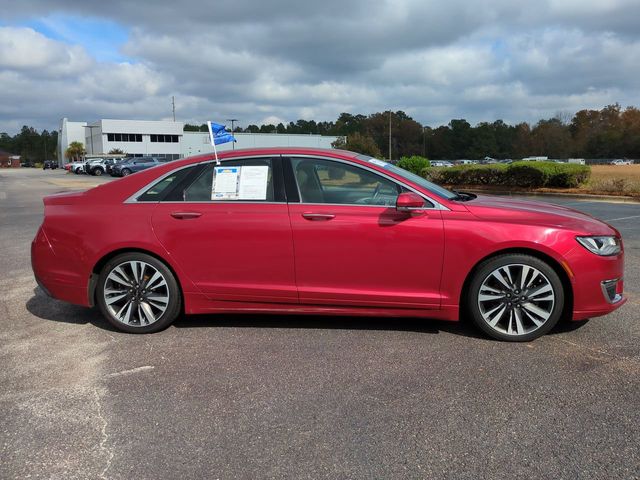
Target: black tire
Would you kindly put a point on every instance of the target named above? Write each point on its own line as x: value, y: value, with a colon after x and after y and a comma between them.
x: 125, y: 172
x: 519, y: 304
x: 173, y: 306
x: 97, y: 172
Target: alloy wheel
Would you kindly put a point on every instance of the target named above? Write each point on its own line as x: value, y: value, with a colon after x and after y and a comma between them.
x: 516, y: 299
x: 136, y: 293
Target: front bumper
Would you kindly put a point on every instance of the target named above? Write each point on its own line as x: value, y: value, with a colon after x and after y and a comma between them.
x: 598, y: 283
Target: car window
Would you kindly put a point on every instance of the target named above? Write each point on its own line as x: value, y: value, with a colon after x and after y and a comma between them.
x: 326, y: 181
x: 233, y: 180
x: 158, y: 190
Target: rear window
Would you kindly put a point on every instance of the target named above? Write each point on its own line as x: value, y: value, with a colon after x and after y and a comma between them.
x: 158, y: 191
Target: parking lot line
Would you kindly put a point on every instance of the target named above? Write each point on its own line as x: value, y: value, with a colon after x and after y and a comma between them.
x: 622, y: 218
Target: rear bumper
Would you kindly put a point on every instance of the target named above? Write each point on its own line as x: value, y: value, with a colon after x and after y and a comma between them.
x: 53, y: 275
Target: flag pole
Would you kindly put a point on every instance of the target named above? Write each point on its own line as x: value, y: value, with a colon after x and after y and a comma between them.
x: 215, y: 152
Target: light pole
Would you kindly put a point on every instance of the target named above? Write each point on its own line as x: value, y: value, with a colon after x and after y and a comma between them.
x: 91, y: 127
x: 389, y: 135
x: 424, y: 142
x: 233, y: 122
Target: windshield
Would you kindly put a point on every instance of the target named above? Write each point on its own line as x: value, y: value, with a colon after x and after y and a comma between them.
x: 412, y: 177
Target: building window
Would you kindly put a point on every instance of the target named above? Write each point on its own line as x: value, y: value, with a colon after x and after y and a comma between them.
x: 124, y: 137
x: 164, y: 138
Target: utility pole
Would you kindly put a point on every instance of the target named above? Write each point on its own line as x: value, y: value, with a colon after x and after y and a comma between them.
x: 389, y: 135
x: 233, y: 122
x: 173, y: 107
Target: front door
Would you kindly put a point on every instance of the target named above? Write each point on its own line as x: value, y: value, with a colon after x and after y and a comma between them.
x: 233, y: 240
x: 353, y: 248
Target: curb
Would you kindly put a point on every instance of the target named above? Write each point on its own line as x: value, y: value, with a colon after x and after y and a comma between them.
x: 577, y: 196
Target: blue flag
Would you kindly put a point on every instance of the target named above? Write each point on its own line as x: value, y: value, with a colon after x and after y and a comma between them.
x: 218, y: 134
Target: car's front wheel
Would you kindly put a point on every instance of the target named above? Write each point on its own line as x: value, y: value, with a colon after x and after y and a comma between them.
x: 138, y: 293
x: 126, y: 172
x: 515, y: 297
x: 98, y: 172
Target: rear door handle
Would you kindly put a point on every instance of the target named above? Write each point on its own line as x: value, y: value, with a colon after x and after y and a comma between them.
x: 185, y: 215
x: 318, y: 216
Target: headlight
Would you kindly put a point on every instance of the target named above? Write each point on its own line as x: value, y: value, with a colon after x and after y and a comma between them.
x: 604, y: 246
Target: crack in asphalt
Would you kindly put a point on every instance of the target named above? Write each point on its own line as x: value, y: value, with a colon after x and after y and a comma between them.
x: 105, y: 436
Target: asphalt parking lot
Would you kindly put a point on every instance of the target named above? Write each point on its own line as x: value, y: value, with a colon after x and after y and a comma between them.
x: 306, y: 397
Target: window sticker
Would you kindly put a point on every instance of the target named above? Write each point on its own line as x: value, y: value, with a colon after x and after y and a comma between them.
x: 225, y: 183
x: 253, y: 183
x: 240, y: 183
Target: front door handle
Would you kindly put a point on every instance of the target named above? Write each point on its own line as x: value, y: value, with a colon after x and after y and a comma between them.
x: 185, y: 215
x: 318, y: 216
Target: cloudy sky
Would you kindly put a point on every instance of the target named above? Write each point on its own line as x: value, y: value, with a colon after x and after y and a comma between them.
x: 281, y: 60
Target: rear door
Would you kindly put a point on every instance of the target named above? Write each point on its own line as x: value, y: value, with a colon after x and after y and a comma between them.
x: 352, y: 247
x: 234, y: 247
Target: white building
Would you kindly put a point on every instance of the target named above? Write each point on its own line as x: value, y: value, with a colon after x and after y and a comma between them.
x: 166, y: 139
x: 69, y: 132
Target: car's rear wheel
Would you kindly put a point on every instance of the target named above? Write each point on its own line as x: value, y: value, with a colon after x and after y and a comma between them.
x: 98, y: 171
x: 137, y: 293
x: 515, y: 297
x: 126, y: 172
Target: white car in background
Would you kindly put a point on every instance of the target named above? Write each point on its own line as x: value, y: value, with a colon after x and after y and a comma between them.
x: 621, y: 162
x: 441, y: 163
x: 75, y: 167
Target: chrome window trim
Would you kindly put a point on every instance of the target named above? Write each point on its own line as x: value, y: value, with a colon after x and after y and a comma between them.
x: 133, y: 198
x: 219, y: 202
x: 436, y: 205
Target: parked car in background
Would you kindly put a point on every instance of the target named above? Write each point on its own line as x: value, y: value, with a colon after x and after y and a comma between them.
x: 620, y: 161
x: 133, y: 165
x: 98, y: 166
x: 49, y: 165
x: 27, y: 164
x: 74, y: 167
x: 314, y: 231
x: 109, y: 166
x: 441, y: 163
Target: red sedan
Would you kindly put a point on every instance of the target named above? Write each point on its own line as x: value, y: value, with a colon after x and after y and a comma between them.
x: 292, y: 230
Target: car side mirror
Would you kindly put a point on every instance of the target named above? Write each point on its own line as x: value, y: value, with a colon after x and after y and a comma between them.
x: 409, y: 202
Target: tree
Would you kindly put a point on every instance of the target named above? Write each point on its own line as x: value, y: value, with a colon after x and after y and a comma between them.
x: 116, y: 151
x: 195, y: 128
x: 75, y: 151
x: 551, y: 138
x: 358, y: 143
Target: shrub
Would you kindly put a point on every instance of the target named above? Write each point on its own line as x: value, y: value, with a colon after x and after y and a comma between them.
x: 525, y: 174
x: 414, y: 164
x: 518, y: 174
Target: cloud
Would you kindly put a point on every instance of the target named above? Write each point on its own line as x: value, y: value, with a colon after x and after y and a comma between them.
x: 287, y: 60
x: 25, y: 50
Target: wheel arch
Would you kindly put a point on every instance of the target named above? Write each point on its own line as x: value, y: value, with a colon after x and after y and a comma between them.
x: 567, y: 310
x: 97, y: 268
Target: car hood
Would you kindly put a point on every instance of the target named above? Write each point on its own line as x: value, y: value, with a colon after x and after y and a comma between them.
x: 509, y: 209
